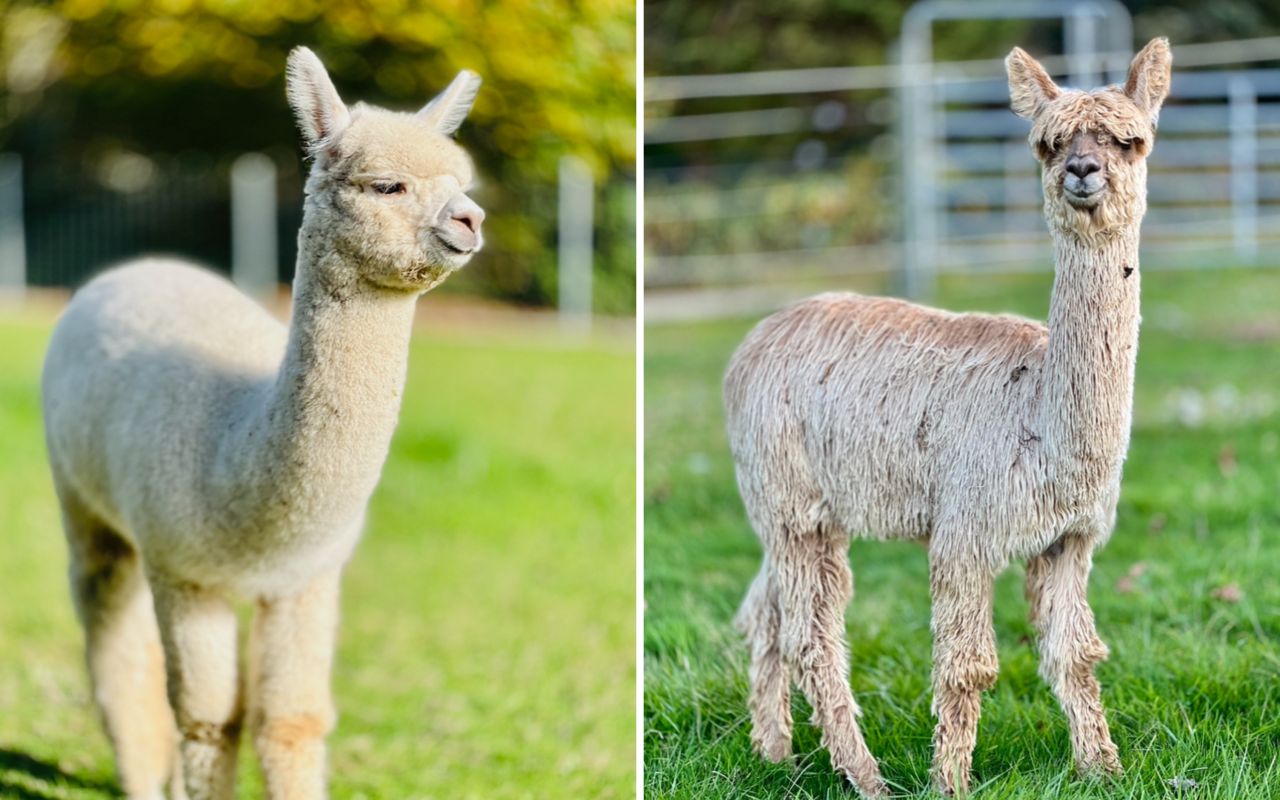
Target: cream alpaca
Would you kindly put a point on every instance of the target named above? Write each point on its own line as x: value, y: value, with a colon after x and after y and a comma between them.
x: 991, y: 438
x: 200, y: 449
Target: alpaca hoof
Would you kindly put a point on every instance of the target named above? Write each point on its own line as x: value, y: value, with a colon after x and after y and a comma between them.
x: 1111, y: 760
x: 949, y: 785
x: 772, y: 746
x: 867, y: 781
x: 1104, y: 764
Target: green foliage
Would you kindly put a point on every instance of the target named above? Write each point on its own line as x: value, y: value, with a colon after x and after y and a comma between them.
x: 487, y: 643
x: 87, y: 78
x: 1191, y: 687
x: 840, y: 205
x: 685, y: 37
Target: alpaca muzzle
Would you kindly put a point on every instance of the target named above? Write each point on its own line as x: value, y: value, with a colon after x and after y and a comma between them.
x: 1085, y: 177
x: 458, y: 225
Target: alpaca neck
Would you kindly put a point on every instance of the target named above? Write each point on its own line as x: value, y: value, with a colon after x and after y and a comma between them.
x: 315, y: 445
x: 1087, y: 398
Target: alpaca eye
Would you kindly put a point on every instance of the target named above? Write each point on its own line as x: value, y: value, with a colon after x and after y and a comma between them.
x: 386, y: 187
x: 1124, y: 145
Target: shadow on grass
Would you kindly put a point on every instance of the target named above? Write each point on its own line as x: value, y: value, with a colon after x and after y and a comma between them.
x: 39, y: 772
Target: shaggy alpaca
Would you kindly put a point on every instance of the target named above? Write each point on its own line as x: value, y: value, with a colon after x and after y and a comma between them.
x: 988, y: 437
x: 200, y: 450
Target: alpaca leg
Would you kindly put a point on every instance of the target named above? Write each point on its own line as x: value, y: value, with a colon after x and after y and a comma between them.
x: 964, y: 665
x: 122, y: 643
x: 814, y: 585
x: 759, y: 621
x: 291, y: 709
x: 1069, y: 647
x: 198, y: 627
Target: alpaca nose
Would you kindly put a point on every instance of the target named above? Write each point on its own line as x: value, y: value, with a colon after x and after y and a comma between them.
x: 470, y: 217
x: 1083, y: 166
x: 464, y: 211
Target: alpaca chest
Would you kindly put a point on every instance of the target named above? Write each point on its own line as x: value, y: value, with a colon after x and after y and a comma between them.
x: 256, y: 559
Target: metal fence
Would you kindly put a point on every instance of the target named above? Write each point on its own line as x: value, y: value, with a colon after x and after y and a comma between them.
x: 62, y: 223
x: 73, y: 221
x: 910, y: 170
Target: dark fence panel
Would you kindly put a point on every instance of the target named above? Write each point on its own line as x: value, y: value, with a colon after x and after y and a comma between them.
x: 77, y: 223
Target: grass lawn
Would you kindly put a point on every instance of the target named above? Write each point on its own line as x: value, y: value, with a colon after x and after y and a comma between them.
x: 1193, y: 684
x: 487, y: 644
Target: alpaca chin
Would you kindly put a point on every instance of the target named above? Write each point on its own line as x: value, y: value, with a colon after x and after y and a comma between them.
x: 428, y: 275
x: 1092, y: 226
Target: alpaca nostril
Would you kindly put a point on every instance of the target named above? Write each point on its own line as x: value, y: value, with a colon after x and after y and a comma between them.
x: 1083, y: 167
x: 470, y: 217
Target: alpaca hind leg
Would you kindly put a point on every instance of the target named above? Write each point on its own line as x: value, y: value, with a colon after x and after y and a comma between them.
x: 1069, y: 647
x: 122, y: 648
x: 291, y: 708
x: 964, y: 665
x: 198, y: 628
x: 814, y: 585
x: 759, y: 621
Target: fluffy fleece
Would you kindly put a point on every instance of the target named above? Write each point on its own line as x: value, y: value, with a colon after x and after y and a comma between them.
x: 990, y: 438
x: 201, y: 450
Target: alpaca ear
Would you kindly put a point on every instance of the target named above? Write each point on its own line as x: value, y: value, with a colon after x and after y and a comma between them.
x: 446, y: 112
x: 321, y: 113
x: 1148, y: 83
x: 1030, y: 87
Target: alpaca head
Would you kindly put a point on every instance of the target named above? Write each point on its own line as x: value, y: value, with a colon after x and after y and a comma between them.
x: 389, y: 188
x: 1093, y: 145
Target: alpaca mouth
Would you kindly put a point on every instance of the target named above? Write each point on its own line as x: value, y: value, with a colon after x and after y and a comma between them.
x: 1082, y: 198
x: 453, y: 247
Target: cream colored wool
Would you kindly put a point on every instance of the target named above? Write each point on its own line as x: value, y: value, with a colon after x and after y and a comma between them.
x: 201, y: 450
x: 990, y: 438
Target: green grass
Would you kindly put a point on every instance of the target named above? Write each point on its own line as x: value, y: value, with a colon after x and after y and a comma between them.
x: 1193, y: 684
x: 487, y: 644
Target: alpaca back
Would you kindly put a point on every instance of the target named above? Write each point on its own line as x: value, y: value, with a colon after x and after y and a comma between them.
x: 148, y: 365
x: 887, y: 418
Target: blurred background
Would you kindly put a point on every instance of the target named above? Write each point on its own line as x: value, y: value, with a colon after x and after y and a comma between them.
x: 121, y: 124
x: 791, y: 147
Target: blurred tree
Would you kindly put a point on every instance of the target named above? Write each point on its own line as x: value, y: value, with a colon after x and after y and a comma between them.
x: 689, y: 37
x: 83, y: 77
x: 785, y: 34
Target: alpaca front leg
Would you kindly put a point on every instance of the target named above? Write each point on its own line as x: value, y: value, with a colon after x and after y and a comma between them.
x: 1069, y: 647
x: 964, y: 665
x: 291, y: 709
x: 198, y: 628
x: 759, y: 621
x: 814, y: 585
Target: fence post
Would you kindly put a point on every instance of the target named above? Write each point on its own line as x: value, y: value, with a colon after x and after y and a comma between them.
x: 1242, y: 109
x: 13, y: 243
x: 919, y: 140
x: 1082, y: 46
x: 576, y: 220
x: 255, y: 265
